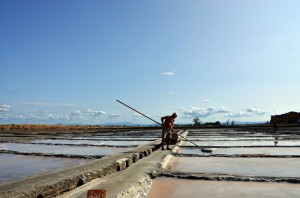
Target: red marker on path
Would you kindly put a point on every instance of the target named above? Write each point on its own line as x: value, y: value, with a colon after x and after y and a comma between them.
x: 96, y: 194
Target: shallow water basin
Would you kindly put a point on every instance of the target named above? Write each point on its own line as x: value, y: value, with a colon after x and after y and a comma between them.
x: 62, y: 149
x: 175, y: 188
x: 218, y: 132
x: 271, y: 167
x: 14, y: 167
x: 98, y: 138
x: 273, y: 151
x: 245, y: 143
x: 91, y: 142
x: 229, y: 138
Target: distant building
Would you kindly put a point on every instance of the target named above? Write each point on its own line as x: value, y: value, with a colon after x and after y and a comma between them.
x: 287, y: 118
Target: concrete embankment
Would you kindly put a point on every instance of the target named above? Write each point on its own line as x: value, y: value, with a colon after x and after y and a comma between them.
x: 133, y: 182
x: 121, y: 175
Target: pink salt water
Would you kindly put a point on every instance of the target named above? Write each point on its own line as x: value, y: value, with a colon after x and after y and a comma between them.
x: 244, y: 143
x: 272, y: 151
x: 14, y: 167
x: 270, y: 167
x: 62, y: 149
x: 90, y: 142
x: 178, y: 188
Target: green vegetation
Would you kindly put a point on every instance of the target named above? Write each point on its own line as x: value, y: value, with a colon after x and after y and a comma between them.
x: 197, y: 121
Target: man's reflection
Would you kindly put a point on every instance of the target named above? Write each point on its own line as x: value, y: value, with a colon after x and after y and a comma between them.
x: 276, y: 140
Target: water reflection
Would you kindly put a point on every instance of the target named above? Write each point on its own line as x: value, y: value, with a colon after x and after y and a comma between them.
x: 276, y: 141
x: 91, y: 142
x: 244, y: 143
x: 14, y: 167
x: 278, y: 151
x: 268, y: 167
x: 62, y: 149
x: 276, y: 136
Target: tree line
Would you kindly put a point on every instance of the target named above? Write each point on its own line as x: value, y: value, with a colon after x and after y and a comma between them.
x: 197, y: 122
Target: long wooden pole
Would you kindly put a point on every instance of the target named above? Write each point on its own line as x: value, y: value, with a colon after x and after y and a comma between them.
x: 139, y: 112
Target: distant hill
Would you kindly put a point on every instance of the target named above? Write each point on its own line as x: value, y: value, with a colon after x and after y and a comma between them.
x: 179, y: 124
x: 126, y: 124
x: 154, y: 124
x: 244, y: 123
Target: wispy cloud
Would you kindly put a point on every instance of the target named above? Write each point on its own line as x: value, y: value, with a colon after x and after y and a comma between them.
x: 171, y: 93
x: 53, y: 116
x: 249, y: 112
x: 46, y: 104
x: 137, y: 114
x: 203, y: 112
x: 168, y: 73
x: 238, y: 115
x: 206, y: 101
x: 76, y: 114
x: 256, y: 111
x: 99, y: 113
x: 4, y: 108
x: 87, y: 112
x: 115, y: 115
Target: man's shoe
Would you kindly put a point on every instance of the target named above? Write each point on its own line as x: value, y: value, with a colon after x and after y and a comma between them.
x: 162, y: 149
x: 169, y: 149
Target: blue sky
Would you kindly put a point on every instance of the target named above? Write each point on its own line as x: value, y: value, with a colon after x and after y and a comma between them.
x: 68, y: 61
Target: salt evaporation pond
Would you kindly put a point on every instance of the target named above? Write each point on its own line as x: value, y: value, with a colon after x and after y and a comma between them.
x: 62, y: 149
x: 211, y: 133
x: 115, y: 139
x: 271, y: 167
x: 229, y: 138
x: 175, y: 188
x: 142, y: 133
x: 243, y: 143
x: 91, y: 142
x: 19, y: 160
x: 14, y: 167
x: 234, y: 134
x: 272, y: 151
x: 261, y: 156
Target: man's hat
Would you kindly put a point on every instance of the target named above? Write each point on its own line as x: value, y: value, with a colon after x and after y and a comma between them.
x: 174, y: 115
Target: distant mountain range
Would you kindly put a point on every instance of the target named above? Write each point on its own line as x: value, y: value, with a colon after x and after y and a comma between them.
x: 126, y: 124
x: 136, y: 124
x: 244, y: 123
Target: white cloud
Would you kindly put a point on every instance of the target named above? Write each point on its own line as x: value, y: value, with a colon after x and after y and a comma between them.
x: 222, y: 110
x: 87, y: 111
x: 256, y: 111
x: 206, y: 101
x: 168, y: 73
x: 46, y: 104
x: 238, y: 115
x: 137, y: 114
x: 51, y: 116
x: 99, y: 113
x: 204, y: 112
x: 171, y: 93
x: 4, y: 108
x: 75, y: 114
x: 249, y: 112
x: 115, y: 115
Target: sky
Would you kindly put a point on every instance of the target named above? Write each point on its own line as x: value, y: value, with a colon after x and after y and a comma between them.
x: 68, y: 61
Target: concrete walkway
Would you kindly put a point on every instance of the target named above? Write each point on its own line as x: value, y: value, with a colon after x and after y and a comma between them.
x: 131, y: 182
